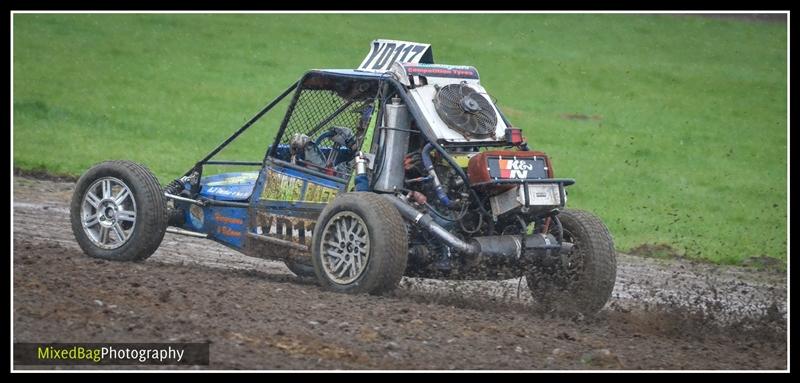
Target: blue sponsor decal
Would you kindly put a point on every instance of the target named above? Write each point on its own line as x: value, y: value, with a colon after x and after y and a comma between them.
x: 228, y: 186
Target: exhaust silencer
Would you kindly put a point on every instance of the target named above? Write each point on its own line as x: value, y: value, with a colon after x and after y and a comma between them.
x: 519, y: 249
x: 394, y: 144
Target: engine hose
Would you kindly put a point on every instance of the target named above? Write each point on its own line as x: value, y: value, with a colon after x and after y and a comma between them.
x: 477, y: 227
x: 463, y: 176
x: 428, y: 164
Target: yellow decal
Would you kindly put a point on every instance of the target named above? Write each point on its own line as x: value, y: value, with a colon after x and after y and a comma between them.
x: 282, y: 187
x: 318, y: 193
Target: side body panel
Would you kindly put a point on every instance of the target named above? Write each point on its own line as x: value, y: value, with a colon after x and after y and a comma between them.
x: 285, y: 205
x: 225, y: 225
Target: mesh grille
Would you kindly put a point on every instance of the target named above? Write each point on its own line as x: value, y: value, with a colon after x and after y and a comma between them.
x: 312, y: 116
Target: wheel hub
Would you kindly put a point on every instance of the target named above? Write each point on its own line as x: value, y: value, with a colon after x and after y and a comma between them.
x: 469, y: 105
x: 108, y: 207
x: 107, y: 213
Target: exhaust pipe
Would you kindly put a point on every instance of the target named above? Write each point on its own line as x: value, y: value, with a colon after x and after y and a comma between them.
x: 426, y: 221
x: 511, y: 248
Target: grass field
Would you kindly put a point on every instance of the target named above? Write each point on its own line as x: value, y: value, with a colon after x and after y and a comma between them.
x: 674, y: 126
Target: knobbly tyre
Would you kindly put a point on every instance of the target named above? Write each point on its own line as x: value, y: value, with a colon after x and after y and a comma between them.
x: 399, y: 167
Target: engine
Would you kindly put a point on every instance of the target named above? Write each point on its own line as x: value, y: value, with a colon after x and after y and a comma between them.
x: 479, y: 184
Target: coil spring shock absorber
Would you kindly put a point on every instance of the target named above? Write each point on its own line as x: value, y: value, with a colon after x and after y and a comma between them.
x: 174, y: 187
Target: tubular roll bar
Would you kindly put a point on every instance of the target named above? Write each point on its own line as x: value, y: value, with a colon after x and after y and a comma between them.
x: 241, y: 130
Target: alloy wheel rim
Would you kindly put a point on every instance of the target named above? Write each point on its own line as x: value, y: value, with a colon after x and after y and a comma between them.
x: 108, y: 213
x: 345, y: 247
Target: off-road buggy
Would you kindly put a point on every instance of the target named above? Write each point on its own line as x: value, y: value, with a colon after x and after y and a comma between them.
x: 400, y: 167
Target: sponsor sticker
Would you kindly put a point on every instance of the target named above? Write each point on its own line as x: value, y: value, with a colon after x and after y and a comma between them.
x: 282, y: 187
x: 243, y: 178
x: 225, y: 192
x: 516, y: 168
x: 441, y: 71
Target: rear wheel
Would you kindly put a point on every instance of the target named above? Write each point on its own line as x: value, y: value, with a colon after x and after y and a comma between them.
x: 582, y: 282
x: 360, y: 245
x: 118, y: 212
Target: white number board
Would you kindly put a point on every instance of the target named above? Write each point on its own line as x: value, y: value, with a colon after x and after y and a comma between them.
x: 384, y: 53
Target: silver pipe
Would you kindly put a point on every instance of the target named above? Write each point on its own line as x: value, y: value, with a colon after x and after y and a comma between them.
x: 175, y: 230
x: 434, y: 228
x: 184, y: 199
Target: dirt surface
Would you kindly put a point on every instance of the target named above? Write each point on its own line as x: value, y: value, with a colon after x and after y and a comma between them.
x: 664, y: 314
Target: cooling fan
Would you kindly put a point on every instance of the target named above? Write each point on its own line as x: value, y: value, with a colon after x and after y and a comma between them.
x: 465, y: 110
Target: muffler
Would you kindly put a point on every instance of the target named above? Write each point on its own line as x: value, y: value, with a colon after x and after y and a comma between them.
x: 394, y: 141
x: 536, y: 249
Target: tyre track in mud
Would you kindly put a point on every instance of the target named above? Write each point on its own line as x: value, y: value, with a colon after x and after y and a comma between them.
x: 664, y: 314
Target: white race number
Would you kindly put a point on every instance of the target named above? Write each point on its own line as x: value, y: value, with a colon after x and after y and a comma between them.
x: 384, y: 53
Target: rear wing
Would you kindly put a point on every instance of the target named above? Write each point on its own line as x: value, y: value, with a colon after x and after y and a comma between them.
x: 383, y: 53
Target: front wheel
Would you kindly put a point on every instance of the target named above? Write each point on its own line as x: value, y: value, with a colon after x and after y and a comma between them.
x: 118, y: 212
x: 582, y: 282
x: 360, y: 245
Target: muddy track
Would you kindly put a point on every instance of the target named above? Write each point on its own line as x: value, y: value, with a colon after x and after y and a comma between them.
x: 664, y: 314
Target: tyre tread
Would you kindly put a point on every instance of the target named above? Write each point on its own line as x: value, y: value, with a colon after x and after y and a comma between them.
x: 597, y: 277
